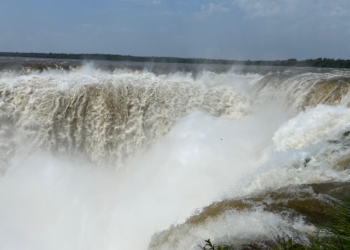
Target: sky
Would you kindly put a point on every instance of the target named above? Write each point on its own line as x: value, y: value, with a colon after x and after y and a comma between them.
x: 220, y: 29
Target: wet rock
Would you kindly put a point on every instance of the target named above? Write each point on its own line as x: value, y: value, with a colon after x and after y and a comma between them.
x: 343, y: 163
x: 346, y: 135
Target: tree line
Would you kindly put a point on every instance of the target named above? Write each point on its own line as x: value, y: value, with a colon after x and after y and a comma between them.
x: 319, y: 62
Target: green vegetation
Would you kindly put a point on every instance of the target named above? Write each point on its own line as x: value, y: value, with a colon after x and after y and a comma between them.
x: 286, y: 243
x: 334, y: 235
x: 209, y: 246
x: 320, y: 62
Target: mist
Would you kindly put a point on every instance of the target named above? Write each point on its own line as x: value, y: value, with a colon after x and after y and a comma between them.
x: 96, y: 159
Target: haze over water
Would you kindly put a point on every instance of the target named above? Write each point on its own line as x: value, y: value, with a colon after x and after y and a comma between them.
x: 131, y: 157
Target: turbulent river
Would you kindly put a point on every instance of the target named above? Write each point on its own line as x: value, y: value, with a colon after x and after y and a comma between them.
x: 136, y: 158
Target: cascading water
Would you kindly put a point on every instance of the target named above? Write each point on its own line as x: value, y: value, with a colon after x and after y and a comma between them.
x: 107, y: 117
x: 127, y: 159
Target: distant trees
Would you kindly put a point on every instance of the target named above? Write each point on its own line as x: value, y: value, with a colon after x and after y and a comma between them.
x: 327, y: 63
x: 319, y: 62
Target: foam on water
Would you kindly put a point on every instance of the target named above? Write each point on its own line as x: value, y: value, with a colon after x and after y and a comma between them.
x: 109, y: 117
x: 168, y: 145
x: 234, y: 228
x: 311, y: 126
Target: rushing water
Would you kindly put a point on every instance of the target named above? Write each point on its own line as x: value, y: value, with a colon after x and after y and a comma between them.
x: 125, y: 158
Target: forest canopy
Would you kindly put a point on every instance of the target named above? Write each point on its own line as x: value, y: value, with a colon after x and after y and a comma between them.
x: 319, y: 62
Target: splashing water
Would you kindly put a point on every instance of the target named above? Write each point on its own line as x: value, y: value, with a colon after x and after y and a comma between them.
x: 104, y: 160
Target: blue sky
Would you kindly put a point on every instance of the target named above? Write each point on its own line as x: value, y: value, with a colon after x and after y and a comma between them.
x: 229, y: 29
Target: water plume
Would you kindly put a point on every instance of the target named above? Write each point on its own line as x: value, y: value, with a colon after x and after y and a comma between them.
x: 97, y: 159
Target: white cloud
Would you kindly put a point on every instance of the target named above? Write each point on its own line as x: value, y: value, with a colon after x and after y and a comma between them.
x: 259, y: 8
x: 274, y: 8
x: 210, y: 9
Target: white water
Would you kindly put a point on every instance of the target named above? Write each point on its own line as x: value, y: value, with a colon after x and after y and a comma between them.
x: 312, y: 126
x: 66, y: 202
